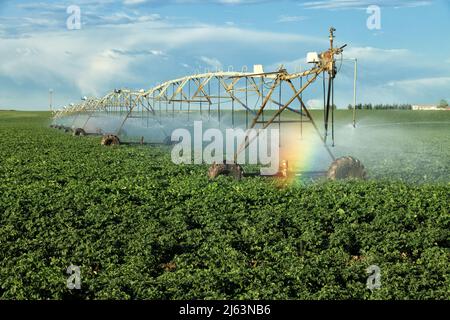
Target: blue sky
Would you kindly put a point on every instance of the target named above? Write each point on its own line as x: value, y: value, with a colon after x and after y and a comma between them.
x: 138, y: 43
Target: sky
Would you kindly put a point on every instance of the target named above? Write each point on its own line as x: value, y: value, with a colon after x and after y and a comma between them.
x: 139, y: 43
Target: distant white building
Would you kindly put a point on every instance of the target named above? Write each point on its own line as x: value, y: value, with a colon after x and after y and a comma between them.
x: 426, y: 107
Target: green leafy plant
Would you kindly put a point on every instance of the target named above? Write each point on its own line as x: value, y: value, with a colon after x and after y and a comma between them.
x: 141, y: 227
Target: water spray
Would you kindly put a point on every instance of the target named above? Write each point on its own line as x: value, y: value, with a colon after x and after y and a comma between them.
x: 213, y: 95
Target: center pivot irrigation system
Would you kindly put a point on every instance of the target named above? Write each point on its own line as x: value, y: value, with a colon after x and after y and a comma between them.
x: 227, y: 99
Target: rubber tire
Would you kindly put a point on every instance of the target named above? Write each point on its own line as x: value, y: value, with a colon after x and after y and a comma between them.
x: 79, y: 132
x: 346, y: 168
x: 233, y: 170
x: 110, y: 140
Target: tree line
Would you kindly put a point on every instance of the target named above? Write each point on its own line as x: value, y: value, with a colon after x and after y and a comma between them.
x: 369, y: 106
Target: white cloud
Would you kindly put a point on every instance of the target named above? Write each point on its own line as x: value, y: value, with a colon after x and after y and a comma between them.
x: 291, y: 66
x: 285, y: 19
x: 157, y: 52
x: 420, y: 90
x: 214, y: 63
x: 367, y: 56
x: 189, y: 35
x: 100, y: 69
x: 40, y: 21
x: 230, y: 1
x: 138, y: 52
x: 233, y: 2
x: 375, y: 65
x: 93, y: 61
x: 371, y: 54
x: 412, y: 85
x: 133, y: 2
x: 363, y: 4
x: 118, y: 18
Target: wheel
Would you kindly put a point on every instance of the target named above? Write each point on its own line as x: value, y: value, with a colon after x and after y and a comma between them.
x: 233, y: 170
x: 236, y: 171
x: 79, y: 132
x: 215, y: 170
x: 110, y: 140
x: 346, y: 168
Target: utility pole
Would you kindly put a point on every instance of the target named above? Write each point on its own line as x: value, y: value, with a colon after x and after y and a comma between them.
x: 50, y: 98
x: 355, y: 79
x: 354, y: 93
